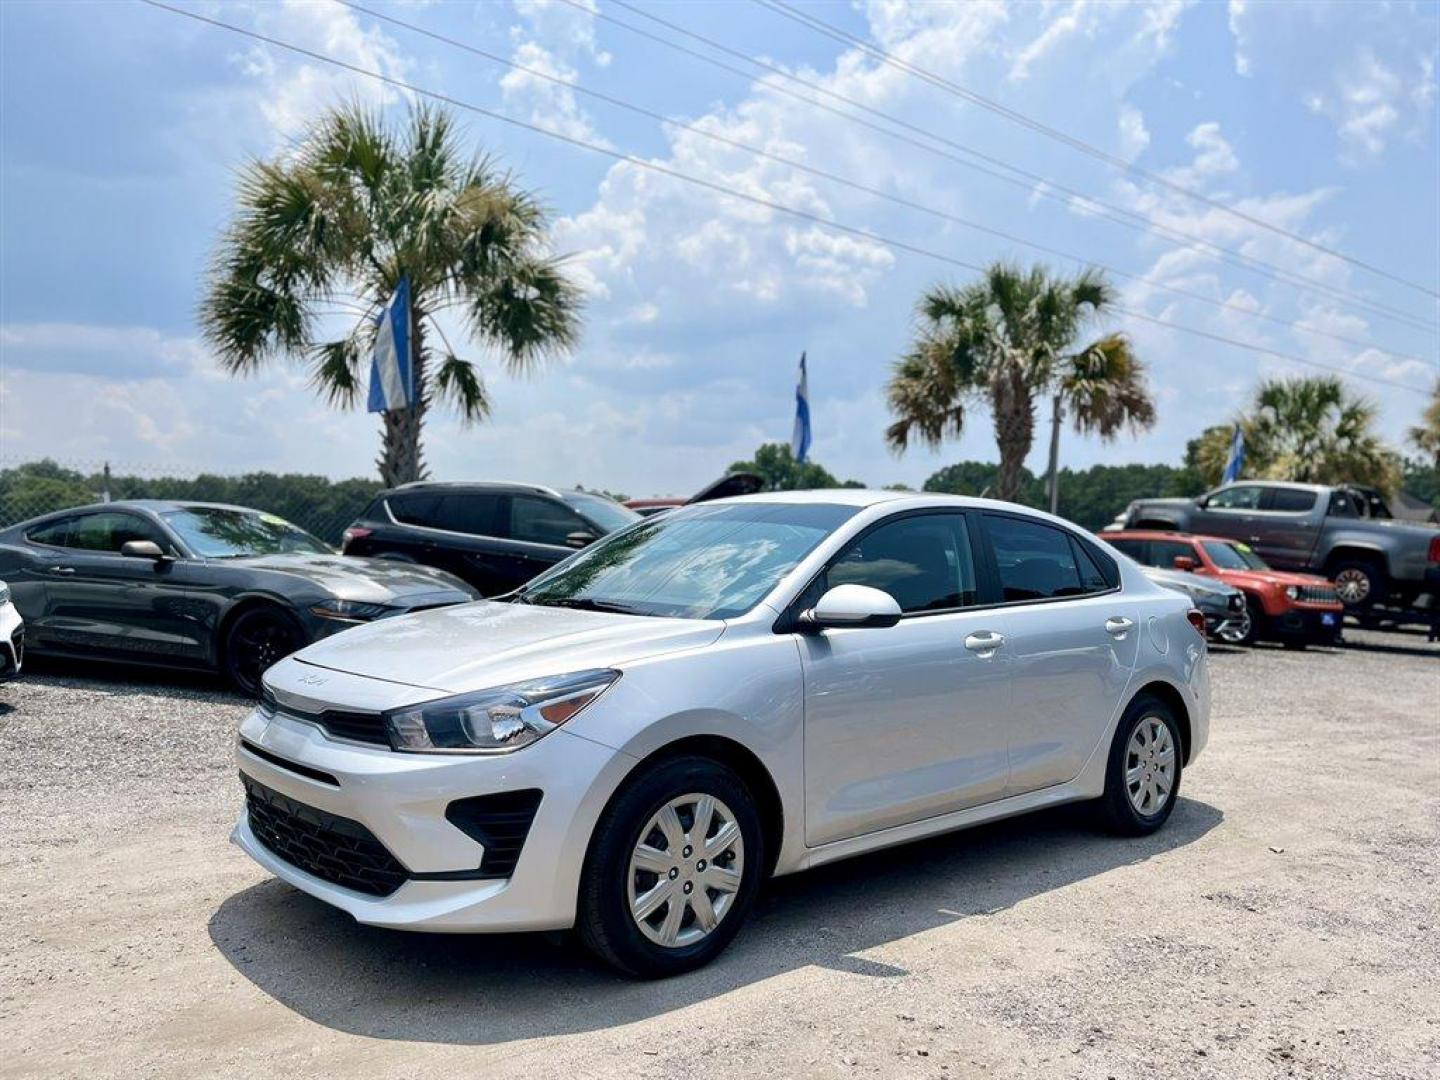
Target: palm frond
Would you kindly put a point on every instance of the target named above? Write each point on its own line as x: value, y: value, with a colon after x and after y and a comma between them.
x: 460, y: 384
x: 1105, y: 387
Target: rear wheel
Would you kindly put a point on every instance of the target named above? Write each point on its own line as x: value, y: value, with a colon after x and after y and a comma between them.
x: 256, y: 639
x: 1359, y: 582
x: 1142, y: 780
x: 672, y: 870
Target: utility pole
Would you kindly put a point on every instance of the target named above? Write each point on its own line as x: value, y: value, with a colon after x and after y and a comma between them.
x: 1052, y: 483
x: 105, y: 484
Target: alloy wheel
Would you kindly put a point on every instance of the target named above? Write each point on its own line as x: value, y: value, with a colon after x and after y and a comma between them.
x: 1150, y: 766
x: 685, y: 870
x: 1236, y: 631
x: 1353, y: 585
x: 259, y: 641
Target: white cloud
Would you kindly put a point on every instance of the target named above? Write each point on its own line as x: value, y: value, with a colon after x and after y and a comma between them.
x: 1238, y: 10
x: 1134, y: 137
x: 105, y: 352
x: 554, y: 38
x: 1068, y: 24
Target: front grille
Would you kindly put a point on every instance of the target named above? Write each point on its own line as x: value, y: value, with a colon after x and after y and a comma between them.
x: 1318, y: 594
x: 333, y: 848
x: 339, y: 723
x: 499, y: 822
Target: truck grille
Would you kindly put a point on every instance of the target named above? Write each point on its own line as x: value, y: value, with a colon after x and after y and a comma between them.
x: 333, y: 848
x: 1318, y: 594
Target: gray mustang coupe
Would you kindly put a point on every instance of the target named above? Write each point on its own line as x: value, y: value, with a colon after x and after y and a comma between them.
x: 197, y: 585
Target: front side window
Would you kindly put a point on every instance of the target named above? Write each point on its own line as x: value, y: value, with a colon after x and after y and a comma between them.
x: 1035, y: 561
x: 1240, y: 497
x: 543, y: 521
x: 924, y: 562
x: 110, y: 531
x: 221, y: 533
x: 698, y: 562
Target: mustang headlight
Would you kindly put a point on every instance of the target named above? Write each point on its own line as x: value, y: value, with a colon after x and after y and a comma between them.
x: 349, y: 610
x: 495, y: 721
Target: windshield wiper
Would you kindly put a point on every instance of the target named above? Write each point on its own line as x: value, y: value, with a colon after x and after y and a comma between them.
x: 584, y: 603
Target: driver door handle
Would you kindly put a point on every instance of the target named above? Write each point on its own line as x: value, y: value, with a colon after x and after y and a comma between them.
x: 984, y: 641
x: 1118, y: 626
x: 60, y: 569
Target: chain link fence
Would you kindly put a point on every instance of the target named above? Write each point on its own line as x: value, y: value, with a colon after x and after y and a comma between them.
x: 317, y: 504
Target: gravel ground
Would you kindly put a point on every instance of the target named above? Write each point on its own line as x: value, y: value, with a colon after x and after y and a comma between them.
x: 1284, y: 924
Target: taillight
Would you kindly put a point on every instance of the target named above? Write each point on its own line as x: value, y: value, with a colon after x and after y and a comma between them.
x: 355, y: 532
x: 1197, y: 620
x: 1434, y: 553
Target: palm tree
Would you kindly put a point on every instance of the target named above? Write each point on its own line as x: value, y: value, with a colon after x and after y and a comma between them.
x: 1313, y: 430
x: 329, y: 229
x: 1425, y: 437
x: 1007, y: 340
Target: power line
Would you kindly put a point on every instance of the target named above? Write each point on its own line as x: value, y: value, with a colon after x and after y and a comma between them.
x: 1032, y: 183
x: 867, y: 189
x: 829, y: 30
x: 721, y: 189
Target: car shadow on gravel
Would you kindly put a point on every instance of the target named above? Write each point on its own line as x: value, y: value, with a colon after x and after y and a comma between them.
x: 127, y: 678
x: 487, y: 989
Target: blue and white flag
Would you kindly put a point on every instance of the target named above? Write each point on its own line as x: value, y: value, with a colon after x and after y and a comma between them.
x: 392, y: 379
x: 1236, y: 461
x: 800, y: 437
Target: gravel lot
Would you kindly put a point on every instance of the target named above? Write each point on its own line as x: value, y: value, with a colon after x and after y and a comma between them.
x: 1286, y: 923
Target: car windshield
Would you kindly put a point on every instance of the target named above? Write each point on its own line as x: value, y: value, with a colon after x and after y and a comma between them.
x: 713, y: 561
x: 214, y: 533
x: 606, y: 514
x: 1234, y: 556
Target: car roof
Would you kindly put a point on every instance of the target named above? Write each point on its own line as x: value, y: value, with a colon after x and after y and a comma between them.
x: 1163, y: 534
x: 1293, y: 484
x: 482, y: 485
x: 154, y: 506
x: 868, y: 497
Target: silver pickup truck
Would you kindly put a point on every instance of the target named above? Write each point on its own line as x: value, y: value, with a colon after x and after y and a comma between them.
x: 1335, y: 531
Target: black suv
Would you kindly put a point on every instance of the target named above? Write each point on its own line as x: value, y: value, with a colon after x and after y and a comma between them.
x: 494, y: 536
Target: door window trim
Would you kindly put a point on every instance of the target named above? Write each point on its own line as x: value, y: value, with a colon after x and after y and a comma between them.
x: 1102, y: 561
x: 176, y: 550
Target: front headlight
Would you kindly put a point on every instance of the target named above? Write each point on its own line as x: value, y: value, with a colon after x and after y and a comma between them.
x: 1292, y: 591
x: 349, y: 610
x: 495, y: 721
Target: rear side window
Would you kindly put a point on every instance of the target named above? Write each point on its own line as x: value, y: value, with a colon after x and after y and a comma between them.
x: 1343, y: 505
x: 416, y: 508
x: 1038, y: 561
x: 1165, y: 552
x: 473, y: 512
x: 543, y: 521
x: 1134, y: 548
x: 924, y: 562
x: 1291, y: 501
x: 54, y: 534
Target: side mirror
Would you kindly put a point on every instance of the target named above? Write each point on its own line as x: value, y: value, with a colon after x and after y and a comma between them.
x: 1185, y: 562
x: 142, y: 549
x: 852, y: 606
x: 580, y: 538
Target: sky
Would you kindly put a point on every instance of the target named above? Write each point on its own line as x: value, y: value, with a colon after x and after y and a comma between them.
x: 123, y: 128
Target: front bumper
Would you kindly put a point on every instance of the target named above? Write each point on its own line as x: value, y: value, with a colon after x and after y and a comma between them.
x: 401, y: 799
x: 1322, y: 626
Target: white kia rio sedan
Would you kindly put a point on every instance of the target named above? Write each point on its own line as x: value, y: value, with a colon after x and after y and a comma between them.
x: 631, y: 743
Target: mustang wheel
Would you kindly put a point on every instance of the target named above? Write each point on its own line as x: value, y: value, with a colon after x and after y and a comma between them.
x: 258, y: 638
x: 1143, y: 778
x: 672, y: 869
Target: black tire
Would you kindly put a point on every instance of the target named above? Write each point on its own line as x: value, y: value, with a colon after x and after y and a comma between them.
x: 1119, y: 813
x: 604, y: 919
x: 1363, y: 579
x: 258, y: 637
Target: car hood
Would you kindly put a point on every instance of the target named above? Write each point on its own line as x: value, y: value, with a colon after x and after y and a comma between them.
x: 1271, y: 577
x: 484, y: 644
x: 1183, y: 579
x: 376, y: 581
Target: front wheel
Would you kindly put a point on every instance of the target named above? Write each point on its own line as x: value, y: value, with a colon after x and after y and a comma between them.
x: 1359, y: 583
x: 1241, y: 630
x: 256, y: 639
x: 672, y: 870
x: 1142, y: 780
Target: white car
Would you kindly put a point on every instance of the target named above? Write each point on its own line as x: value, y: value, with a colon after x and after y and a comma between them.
x: 747, y: 687
x: 12, y: 636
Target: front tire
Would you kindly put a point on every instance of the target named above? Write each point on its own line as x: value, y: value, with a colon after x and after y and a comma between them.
x: 672, y: 869
x: 1359, y: 582
x: 1244, y: 631
x: 1142, y: 780
x: 256, y: 639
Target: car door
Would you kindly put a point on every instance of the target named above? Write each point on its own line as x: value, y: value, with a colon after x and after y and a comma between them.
x: 540, y: 533
x: 904, y: 722
x: 102, y: 601
x: 1070, y: 645
x: 1287, y: 526
x: 1230, y: 511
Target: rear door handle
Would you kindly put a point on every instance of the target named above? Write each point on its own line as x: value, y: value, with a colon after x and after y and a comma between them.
x: 60, y: 570
x: 984, y: 641
x: 1118, y: 626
